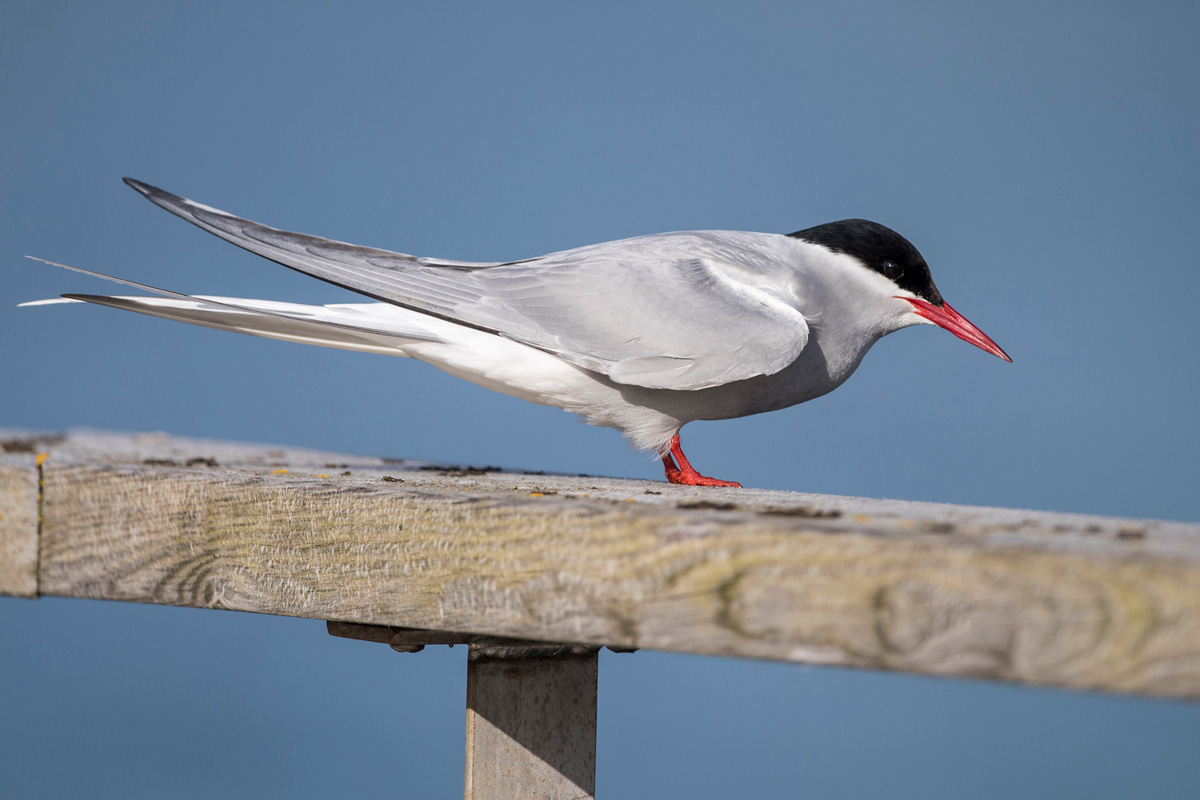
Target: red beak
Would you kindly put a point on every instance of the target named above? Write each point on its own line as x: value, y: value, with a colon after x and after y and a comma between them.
x: 956, y: 323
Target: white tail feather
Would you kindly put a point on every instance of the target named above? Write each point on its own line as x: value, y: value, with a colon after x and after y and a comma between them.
x: 367, y: 327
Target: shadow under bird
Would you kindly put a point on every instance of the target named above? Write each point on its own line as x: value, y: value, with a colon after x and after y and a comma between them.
x: 643, y: 335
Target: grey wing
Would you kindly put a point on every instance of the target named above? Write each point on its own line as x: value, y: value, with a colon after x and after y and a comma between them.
x: 645, y: 312
x: 645, y: 315
x: 381, y: 274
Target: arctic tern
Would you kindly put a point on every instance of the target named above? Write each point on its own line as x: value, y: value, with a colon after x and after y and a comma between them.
x: 643, y: 335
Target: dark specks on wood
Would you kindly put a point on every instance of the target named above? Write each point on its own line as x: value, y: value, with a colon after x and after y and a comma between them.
x: 1010, y: 595
x: 30, y: 444
x: 803, y: 512
x: 710, y: 505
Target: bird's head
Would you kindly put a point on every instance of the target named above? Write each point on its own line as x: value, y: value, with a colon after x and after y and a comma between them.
x: 907, y: 281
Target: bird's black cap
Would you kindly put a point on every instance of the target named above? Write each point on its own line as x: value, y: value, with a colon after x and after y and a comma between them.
x: 881, y: 249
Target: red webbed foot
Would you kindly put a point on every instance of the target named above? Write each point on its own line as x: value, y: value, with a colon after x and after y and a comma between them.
x: 684, y: 473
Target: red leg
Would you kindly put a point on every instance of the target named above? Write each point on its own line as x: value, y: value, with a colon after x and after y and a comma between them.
x: 685, y: 473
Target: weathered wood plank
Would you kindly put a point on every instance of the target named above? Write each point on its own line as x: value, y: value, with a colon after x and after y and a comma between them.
x: 19, y: 495
x: 1052, y: 599
x: 531, y: 728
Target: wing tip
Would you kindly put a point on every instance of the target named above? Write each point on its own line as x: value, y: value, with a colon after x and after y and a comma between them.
x: 145, y: 189
x: 179, y: 206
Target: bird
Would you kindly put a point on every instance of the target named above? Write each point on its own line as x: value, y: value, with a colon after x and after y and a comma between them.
x: 643, y: 334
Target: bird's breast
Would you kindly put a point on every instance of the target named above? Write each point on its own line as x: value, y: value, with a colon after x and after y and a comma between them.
x: 821, y: 367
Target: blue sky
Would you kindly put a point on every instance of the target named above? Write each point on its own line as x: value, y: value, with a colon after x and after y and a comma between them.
x: 1042, y: 157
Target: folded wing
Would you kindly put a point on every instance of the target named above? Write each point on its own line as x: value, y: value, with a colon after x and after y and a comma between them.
x: 668, y: 311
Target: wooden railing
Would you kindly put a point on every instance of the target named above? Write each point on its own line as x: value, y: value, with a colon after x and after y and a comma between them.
x: 412, y: 554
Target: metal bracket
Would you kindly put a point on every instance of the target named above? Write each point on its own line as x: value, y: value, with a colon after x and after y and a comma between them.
x: 413, y: 640
x: 402, y: 640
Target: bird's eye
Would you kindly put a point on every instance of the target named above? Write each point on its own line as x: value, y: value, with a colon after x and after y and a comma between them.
x: 892, y: 270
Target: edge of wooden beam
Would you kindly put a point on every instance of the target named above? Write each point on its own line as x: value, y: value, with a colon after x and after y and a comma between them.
x: 20, y: 499
x: 1049, y: 599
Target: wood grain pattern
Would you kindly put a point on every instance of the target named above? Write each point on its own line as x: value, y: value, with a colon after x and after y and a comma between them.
x: 1050, y: 599
x: 18, y: 523
x: 531, y: 728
